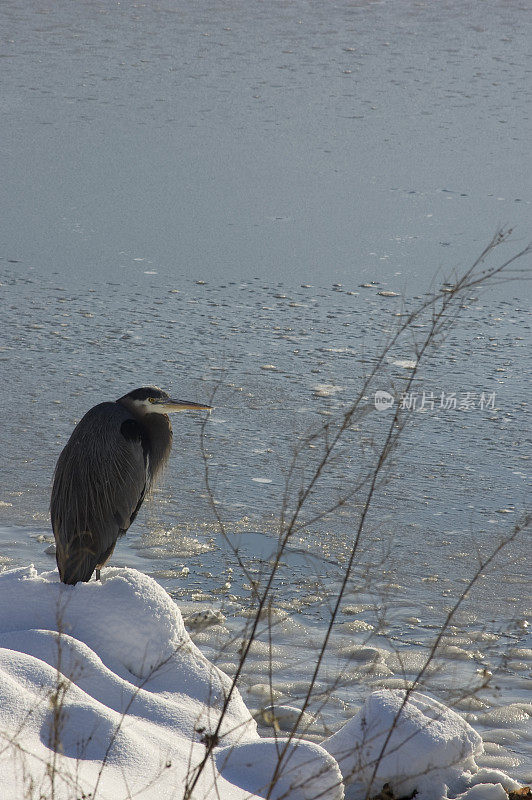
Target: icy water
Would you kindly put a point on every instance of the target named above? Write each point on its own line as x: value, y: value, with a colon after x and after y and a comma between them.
x: 211, y: 199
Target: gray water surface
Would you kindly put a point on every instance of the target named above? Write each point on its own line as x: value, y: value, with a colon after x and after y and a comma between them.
x: 237, y: 139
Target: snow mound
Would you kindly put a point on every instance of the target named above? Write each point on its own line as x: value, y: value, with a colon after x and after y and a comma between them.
x: 430, y: 750
x: 105, y: 673
x: 127, y: 619
x: 304, y: 774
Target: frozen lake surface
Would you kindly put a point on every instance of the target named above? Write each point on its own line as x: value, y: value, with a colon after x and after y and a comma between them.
x: 195, y: 196
x: 243, y: 138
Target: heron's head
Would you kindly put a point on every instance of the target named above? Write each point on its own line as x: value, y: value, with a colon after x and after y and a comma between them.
x: 152, y: 400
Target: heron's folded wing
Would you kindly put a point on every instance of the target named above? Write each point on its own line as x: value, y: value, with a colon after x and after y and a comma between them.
x: 100, y: 477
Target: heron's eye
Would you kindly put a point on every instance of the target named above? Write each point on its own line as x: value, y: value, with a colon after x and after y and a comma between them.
x: 151, y: 399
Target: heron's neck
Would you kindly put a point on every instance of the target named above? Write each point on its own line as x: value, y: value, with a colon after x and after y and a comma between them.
x: 159, y: 430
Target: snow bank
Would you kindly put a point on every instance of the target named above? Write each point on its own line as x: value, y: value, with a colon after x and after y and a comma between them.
x: 103, y: 692
x: 303, y: 775
x: 430, y: 749
x: 132, y: 690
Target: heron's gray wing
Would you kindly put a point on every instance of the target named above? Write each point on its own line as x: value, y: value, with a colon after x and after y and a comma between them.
x: 99, y: 485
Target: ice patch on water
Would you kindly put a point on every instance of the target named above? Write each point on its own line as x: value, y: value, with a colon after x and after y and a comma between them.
x: 170, y: 543
x: 285, y: 718
x: 264, y: 691
x: 354, y: 626
x: 506, y: 715
x: 357, y: 652
x: 204, y: 618
x: 326, y: 390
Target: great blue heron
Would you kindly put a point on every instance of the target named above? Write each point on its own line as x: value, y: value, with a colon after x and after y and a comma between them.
x: 114, y: 456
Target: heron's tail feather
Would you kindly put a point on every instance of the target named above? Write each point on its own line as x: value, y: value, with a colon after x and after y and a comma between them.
x: 77, y: 560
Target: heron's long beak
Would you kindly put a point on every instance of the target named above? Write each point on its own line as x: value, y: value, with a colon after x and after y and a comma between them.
x: 182, y: 405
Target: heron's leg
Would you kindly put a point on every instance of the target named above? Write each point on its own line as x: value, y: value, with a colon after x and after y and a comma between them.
x: 98, y: 574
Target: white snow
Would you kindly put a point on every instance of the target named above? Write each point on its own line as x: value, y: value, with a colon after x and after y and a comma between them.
x: 431, y: 750
x: 134, y: 694
x: 484, y: 792
x: 304, y: 775
x: 123, y: 650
